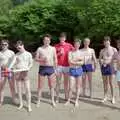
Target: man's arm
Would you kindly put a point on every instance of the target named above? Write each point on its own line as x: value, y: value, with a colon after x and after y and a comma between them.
x: 30, y: 61
x: 55, y: 58
x: 13, y: 61
x: 38, y: 58
x: 101, y: 57
x: 72, y: 61
x: 94, y: 59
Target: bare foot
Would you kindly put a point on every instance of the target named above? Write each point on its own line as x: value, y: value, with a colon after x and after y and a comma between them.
x: 76, y: 104
x: 67, y: 103
x: 20, y: 107
x: 38, y: 104
x: 29, y: 109
x: 113, y: 100
x: 104, y: 100
x: 57, y: 100
x: 53, y: 104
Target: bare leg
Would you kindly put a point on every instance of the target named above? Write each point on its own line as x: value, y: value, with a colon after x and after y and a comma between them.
x: 66, y: 85
x: 71, y: 86
x: 58, y: 83
x: 2, y: 86
x: 28, y: 94
x: 105, y: 85
x: 78, y: 83
x: 19, y: 85
x: 40, y: 85
x: 111, y: 88
x: 84, y: 84
x: 52, y: 83
x: 12, y: 88
x: 89, y: 74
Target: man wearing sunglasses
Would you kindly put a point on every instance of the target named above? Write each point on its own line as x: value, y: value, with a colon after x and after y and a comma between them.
x: 6, y: 56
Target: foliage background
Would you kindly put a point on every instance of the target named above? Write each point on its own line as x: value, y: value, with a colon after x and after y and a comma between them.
x: 29, y: 20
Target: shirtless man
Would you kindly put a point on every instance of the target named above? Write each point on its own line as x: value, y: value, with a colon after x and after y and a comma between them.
x: 6, y: 56
x: 21, y: 65
x: 75, y: 59
x: 46, y: 56
x: 89, y: 65
x: 105, y: 58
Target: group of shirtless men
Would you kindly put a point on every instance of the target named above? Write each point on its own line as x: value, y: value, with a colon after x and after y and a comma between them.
x: 65, y: 61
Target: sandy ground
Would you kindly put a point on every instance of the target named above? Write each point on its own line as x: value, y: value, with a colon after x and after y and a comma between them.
x: 89, y: 109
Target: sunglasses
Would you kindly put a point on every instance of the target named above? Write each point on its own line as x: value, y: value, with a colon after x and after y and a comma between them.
x: 4, y: 44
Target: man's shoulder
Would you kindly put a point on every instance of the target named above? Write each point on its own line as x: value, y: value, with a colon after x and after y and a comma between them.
x: 39, y: 48
x: 27, y: 52
x: 68, y: 44
x: 10, y: 51
x: 57, y: 45
x: 114, y: 49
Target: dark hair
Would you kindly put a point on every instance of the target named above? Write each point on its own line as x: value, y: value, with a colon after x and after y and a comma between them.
x: 4, y: 40
x: 47, y: 35
x: 63, y: 34
x: 107, y: 38
x: 19, y: 42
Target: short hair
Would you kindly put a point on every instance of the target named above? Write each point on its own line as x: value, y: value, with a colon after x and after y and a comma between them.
x: 63, y: 34
x: 86, y: 39
x: 19, y: 42
x: 76, y: 39
x: 5, y: 41
x: 107, y: 38
x: 47, y: 35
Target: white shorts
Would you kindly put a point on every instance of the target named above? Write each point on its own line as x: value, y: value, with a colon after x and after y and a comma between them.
x: 62, y: 69
x: 117, y: 76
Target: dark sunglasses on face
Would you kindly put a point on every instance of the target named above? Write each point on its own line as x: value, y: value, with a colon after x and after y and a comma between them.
x: 4, y: 44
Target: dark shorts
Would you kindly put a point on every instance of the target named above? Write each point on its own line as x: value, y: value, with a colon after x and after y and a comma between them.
x: 107, y: 70
x: 46, y: 70
x: 76, y: 72
x: 87, y: 68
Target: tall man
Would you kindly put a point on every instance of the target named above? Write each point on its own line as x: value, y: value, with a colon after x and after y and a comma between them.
x: 105, y: 59
x: 62, y: 48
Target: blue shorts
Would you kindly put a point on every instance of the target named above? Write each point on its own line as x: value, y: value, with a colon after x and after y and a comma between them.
x: 46, y: 70
x: 87, y: 68
x: 107, y: 70
x: 76, y: 72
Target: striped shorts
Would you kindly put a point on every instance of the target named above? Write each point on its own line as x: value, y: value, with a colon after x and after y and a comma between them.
x: 5, y: 73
